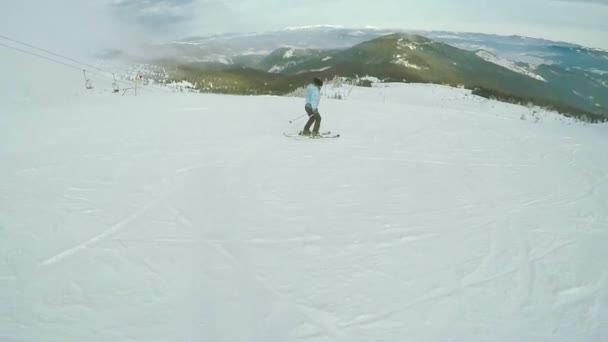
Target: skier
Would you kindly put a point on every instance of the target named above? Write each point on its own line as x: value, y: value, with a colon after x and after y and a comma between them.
x: 313, y: 97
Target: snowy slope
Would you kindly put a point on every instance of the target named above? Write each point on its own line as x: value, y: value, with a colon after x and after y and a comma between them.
x: 401, y: 57
x: 438, y: 216
x: 506, y: 63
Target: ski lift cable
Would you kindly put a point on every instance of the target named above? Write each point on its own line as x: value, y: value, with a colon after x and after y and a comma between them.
x: 70, y: 65
x: 51, y: 53
x: 49, y: 59
x: 41, y: 56
x: 87, y: 81
x: 60, y: 62
x: 52, y: 60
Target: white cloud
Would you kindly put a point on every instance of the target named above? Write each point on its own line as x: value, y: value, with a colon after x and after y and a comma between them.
x: 73, y: 26
x: 122, y: 22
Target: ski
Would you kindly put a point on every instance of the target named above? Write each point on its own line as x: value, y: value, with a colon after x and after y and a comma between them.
x: 300, y: 134
x: 323, y: 135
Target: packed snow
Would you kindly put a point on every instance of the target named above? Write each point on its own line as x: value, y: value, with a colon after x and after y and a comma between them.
x: 436, y: 216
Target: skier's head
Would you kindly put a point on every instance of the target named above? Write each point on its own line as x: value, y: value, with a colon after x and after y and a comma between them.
x: 317, y: 82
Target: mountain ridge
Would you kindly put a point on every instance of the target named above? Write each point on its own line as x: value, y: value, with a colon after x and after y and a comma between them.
x: 407, y: 57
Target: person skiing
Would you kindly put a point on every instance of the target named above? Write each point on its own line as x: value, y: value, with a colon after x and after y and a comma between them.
x: 313, y: 97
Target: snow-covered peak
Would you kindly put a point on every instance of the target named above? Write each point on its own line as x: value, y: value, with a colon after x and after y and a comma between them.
x: 184, y: 43
x: 313, y: 27
x: 401, y: 54
x: 404, y: 44
x: 598, y: 50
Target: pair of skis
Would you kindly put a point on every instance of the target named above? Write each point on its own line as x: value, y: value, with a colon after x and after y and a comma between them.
x: 322, y: 135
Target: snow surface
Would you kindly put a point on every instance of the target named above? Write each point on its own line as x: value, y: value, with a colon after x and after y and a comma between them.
x: 598, y: 71
x: 313, y: 27
x: 401, y: 57
x: 277, y: 69
x: 506, y: 63
x: 289, y: 53
x: 400, y: 60
x: 321, y: 69
x: 222, y: 59
x: 357, y: 33
x: 252, y: 52
x: 437, y: 216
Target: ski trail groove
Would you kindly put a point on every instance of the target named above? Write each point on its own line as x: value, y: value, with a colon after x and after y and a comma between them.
x: 108, y: 232
x: 312, y: 314
x: 321, y: 318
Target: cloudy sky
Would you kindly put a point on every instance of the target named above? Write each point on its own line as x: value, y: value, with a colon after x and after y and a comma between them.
x: 578, y: 21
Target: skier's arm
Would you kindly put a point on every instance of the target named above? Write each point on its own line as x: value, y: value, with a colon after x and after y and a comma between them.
x: 315, y: 99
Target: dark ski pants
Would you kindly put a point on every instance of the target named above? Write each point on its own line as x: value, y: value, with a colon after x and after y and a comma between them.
x: 313, y: 118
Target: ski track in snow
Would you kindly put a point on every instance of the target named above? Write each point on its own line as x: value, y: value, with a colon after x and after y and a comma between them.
x: 317, y: 317
x: 111, y: 230
x: 436, y: 216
